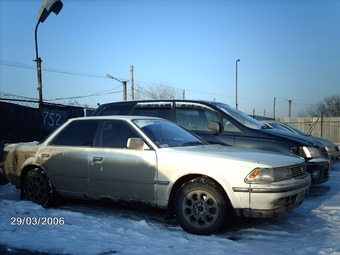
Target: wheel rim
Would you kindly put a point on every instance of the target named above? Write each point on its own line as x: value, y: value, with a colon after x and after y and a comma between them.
x: 36, y: 189
x: 200, y: 209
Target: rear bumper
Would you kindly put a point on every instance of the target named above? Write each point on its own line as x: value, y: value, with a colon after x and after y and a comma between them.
x: 3, y: 179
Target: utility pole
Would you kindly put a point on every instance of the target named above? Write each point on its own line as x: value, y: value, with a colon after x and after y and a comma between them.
x: 274, y: 106
x: 124, y: 90
x: 132, y: 84
x: 236, y: 83
x: 289, y: 107
x: 183, y: 93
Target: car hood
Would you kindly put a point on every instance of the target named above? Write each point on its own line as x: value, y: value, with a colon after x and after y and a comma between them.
x: 324, y: 141
x: 216, y: 152
x: 296, y: 137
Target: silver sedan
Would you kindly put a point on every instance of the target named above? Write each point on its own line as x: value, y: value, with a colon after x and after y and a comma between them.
x: 154, y: 161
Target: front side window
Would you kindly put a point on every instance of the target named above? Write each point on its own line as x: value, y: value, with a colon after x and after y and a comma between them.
x: 115, y: 134
x: 195, y: 117
x: 77, y: 133
x: 230, y: 127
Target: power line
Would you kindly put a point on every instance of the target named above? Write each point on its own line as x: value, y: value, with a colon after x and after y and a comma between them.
x: 47, y: 69
x: 26, y: 66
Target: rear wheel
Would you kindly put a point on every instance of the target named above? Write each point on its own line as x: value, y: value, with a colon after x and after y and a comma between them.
x: 38, y: 188
x: 201, y: 207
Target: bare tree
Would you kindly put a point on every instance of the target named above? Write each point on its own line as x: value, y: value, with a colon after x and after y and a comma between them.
x: 157, y: 91
x: 330, y: 107
x: 73, y: 102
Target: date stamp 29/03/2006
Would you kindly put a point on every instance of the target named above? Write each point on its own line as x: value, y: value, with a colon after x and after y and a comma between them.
x: 37, y: 221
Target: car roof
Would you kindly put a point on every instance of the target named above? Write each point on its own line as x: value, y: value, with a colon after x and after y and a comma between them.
x: 163, y: 100
x: 114, y: 117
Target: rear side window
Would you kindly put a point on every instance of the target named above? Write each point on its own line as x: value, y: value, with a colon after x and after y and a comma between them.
x: 161, y: 110
x: 195, y: 117
x: 77, y: 133
x: 115, y: 109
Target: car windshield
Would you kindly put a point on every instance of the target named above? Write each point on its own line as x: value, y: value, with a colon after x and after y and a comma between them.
x: 240, y: 117
x: 166, y: 134
x: 295, y: 129
x: 278, y: 126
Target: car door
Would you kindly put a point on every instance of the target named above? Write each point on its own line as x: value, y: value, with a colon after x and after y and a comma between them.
x: 66, y: 157
x: 119, y: 172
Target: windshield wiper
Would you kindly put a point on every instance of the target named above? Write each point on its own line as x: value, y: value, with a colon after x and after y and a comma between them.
x: 192, y: 143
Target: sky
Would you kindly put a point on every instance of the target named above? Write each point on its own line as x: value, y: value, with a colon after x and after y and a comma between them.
x: 288, y: 50
x: 81, y: 228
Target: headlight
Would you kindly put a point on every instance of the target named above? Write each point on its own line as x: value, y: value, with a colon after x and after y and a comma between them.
x: 306, y: 152
x: 330, y: 148
x: 260, y: 175
x: 268, y: 175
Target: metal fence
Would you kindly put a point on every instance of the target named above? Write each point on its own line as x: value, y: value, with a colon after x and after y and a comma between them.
x: 326, y: 127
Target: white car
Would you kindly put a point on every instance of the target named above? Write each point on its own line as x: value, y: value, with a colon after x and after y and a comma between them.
x: 154, y: 161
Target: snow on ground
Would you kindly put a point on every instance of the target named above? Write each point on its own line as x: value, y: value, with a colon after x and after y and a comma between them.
x: 79, y: 227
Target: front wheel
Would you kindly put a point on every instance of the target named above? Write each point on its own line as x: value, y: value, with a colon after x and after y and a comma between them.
x: 38, y: 188
x: 201, y: 207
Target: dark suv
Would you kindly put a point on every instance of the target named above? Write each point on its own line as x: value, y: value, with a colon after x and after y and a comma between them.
x: 219, y: 123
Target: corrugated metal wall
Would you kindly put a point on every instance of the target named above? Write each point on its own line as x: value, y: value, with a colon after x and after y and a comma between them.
x: 24, y: 124
x: 326, y: 127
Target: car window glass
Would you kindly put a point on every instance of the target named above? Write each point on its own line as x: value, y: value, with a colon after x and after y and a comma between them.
x: 117, y: 109
x: 153, y: 112
x: 240, y: 117
x: 77, y: 133
x: 115, y: 134
x: 195, y: 118
x: 166, y: 134
x: 230, y: 127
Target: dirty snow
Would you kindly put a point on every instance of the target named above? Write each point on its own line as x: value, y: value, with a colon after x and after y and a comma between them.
x: 80, y: 227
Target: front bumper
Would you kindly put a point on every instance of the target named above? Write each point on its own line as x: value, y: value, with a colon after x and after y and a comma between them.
x: 318, y: 169
x: 271, y: 200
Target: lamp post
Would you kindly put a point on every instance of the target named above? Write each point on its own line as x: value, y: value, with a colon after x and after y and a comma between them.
x: 238, y: 60
x: 47, y: 7
x: 123, y: 83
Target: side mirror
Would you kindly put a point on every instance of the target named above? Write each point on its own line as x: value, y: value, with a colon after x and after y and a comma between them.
x: 136, y: 144
x: 215, y: 126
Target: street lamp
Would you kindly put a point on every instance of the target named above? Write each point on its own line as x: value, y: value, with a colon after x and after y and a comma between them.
x: 47, y: 7
x: 123, y: 83
x: 238, y: 60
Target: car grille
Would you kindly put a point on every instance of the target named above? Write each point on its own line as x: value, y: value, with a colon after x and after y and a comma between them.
x: 298, y: 170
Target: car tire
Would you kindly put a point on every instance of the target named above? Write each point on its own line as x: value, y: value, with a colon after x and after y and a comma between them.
x: 38, y: 188
x: 201, y: 207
